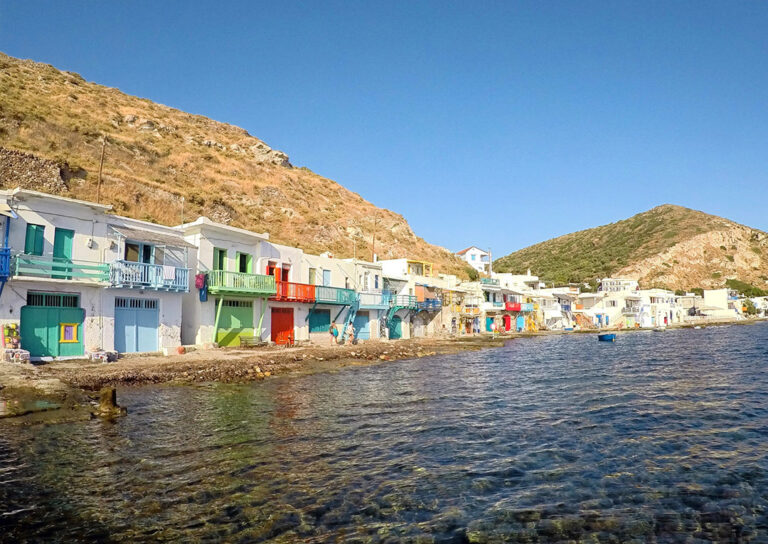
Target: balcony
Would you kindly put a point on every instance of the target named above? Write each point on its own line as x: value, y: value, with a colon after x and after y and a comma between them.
x: 492, y: 306
x: 527, y: 307
x: 240, y: 283
x: 512, y: 307
x: 470, y: 310
x: 566, y: 307
x: 489, y: 281
x: 405, y: 301
x: 37, y: 266
x: 5, y: 263
x: 430, y: 305
x: 133, y: 275
x: 286, y: 291
x: 374, y: 301
x: 629, y: 310
x: 334, y: 295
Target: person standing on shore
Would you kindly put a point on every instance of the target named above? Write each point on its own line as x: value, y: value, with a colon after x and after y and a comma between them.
x: 334, y: 332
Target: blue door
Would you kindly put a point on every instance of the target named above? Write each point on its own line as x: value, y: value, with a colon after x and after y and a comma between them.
x: 520, y: 323
x: 327, y: 278
x: 362, y: 326
x: 136, y: 324
x: 488, y: 323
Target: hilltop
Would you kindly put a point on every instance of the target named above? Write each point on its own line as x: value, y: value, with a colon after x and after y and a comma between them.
x: 668, y: 246
x: 52, y: 123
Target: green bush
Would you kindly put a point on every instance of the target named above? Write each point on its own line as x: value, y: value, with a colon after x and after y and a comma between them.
x: 745, y: 288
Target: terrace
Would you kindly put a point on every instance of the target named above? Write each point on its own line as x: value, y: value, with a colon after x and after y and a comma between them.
x: 241, y: 283
x: 157, y: 277
x: 38, y: 266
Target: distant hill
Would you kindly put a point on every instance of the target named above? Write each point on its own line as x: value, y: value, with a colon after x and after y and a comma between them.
x: 51, y: 128
x: 667, y: 246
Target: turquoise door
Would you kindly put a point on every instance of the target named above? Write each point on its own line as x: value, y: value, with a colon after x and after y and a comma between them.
x: 520, y: 323
x: 362, y: 326
x: 488, y: 323
x: 51, y: 329
x: 136, y: 325
x: 327, y: 278
x: 62, y: 253
x: 395, y: 328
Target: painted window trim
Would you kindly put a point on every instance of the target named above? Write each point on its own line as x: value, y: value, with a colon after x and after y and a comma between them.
x: 62, y: 329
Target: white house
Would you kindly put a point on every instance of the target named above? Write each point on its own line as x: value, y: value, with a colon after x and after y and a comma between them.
x: 81, y: 279
x: 477, y: 258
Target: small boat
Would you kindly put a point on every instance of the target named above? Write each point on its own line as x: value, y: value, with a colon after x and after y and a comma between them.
x: 606, y: 337
x: 697, y: 327
x: 659, y: 329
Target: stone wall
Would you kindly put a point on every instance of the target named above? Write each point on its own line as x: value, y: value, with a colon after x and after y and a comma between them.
x: 18, y: 169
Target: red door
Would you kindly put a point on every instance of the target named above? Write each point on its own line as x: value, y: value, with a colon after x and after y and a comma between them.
x: 282, y: 326
x: 507, y: 322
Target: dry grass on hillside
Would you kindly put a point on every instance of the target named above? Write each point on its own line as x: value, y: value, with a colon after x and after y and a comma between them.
x: 158, y: 155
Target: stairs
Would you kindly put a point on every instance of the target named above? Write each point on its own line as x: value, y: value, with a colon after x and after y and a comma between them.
x: 353, y: 308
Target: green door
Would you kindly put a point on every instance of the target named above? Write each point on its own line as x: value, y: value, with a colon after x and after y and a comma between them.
x: 52, y: 325
x: 236, y: 320
x: 62, y: 253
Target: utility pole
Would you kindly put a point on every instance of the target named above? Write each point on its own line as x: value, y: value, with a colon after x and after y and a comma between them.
x: 101, y: 167
x: 373, y: 245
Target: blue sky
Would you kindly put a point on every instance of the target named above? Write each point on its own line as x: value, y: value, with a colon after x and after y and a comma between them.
x: 490, y: 124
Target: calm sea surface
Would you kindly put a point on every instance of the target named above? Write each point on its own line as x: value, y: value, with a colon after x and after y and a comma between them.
x: 660, y: 437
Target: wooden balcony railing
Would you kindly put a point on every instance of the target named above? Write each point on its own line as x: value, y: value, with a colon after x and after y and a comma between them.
x: 133, y: 275
x: 334, y: 295
x: 287, y: 291
x: 222, y: 281
x: 61, y: 269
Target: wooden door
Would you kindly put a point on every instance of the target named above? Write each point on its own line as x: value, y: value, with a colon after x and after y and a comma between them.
x: 282, y: 326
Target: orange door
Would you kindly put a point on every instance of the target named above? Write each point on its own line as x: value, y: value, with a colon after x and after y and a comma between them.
x: 282, y: 326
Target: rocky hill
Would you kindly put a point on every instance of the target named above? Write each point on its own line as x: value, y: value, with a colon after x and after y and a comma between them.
x: 159, y: 161
x: 668, y: 246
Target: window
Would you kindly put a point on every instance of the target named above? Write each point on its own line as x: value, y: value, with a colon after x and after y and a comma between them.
x: 312, y: 276
x: 327, y: 278
x: 272, y: 270
x: 286, y: 272
x: 320, y: 321
x: 52, y: 300
x: 474, y: 257
x: 34, y: 242
x: 376, y: 281
x: 131, y: 252
x: 346, y: 283
x: 219, y: 258
x: 136, y: 252
x: 244, y: 263
x: 68, y: 333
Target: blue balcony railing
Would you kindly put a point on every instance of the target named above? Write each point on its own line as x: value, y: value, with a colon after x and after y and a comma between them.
x: 489, y: 281
x: 334, y: 295
x: 132, y: 275
x: 430, y: 305
x: 5, y: 263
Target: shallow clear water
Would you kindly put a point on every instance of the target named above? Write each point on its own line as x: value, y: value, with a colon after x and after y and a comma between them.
x: 660, y: 437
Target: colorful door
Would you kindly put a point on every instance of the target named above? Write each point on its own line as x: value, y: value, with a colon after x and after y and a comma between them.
x: 362, y: 324
x: 282, y: 326
x: 488, y: 323
x: 395, y: 328
x: 507, y: 322
x: 236, y: 320
x: 327, y: 278
x: 137, y: 322
x: 62, y: 253
x: 52, y: 325
x: 520, y: 323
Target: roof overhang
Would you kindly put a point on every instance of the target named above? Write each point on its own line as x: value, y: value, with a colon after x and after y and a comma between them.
x: 158, y: 238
